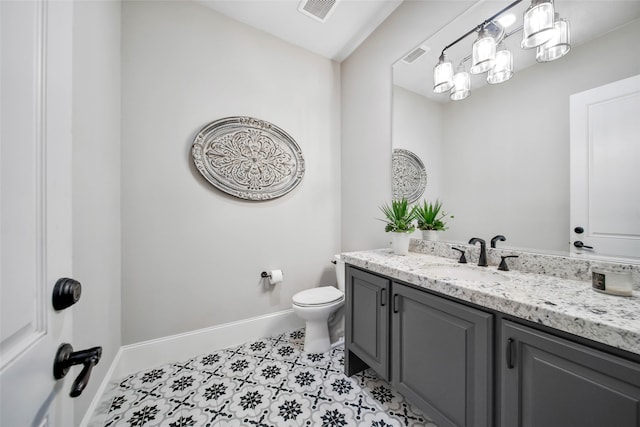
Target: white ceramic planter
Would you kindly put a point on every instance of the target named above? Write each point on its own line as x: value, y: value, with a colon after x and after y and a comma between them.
x: 400, y: 242
x: 433, y: 235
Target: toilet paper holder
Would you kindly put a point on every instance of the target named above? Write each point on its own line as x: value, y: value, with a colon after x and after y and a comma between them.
x: 272, y: 276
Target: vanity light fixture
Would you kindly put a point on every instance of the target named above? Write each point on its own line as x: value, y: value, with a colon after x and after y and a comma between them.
x: 542, y: 28
x: 503, y: 68
x: 461, y: 84
x: 559, y: 45
x: 442, y: 75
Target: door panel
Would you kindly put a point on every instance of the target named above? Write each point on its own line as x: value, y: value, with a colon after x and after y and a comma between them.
x: 553, y: 382
x: 549, y: 380
x: 442, y: 354
x: 368, y: 320
x: 438, y: 358
x: 22, y: 150
x: 605, y: 178
x: 35, y: 206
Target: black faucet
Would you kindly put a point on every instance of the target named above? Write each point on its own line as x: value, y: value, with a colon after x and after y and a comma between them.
x: 482, y: 261
x: 499, y: 237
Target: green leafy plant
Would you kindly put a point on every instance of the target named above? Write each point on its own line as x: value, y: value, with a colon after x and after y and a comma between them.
x: 399, y: 216
x: 430, y: 216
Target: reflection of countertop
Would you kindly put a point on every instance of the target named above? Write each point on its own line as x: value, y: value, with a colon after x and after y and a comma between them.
x: 568, y: 305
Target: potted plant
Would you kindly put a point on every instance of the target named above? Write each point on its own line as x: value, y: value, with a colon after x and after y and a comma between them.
x: 399, y: 220
x: 431, y: 218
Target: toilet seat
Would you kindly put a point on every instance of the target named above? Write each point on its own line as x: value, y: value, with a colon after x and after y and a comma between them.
x: 317, y: 296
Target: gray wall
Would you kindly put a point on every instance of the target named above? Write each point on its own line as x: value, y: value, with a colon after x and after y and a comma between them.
x: 96, y: 185
x: 366, y: 116
x: 192, y: 256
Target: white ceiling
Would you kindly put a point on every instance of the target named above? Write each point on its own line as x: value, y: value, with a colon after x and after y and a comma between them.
x: 348, y: 25
x: 588, y: 20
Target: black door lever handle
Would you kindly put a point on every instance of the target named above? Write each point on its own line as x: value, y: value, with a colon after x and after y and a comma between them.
x: 578, y: 244
x: 66, y: 358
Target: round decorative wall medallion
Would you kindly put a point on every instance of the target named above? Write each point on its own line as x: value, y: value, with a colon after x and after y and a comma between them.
x: 409, y: 175
x: 248, y: 158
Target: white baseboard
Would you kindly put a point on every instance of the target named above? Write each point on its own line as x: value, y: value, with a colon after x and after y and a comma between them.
x: 147, y: 354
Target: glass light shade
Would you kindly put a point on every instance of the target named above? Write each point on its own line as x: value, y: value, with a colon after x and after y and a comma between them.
x: 484, y: 53
x: 559, y: 45
x: 538, y: 24
x: 442, y: 76
x: 507, y: 20
x: 503, y: 68
x: 461, y: 85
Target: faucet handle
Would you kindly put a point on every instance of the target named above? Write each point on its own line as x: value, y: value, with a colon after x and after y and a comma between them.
x: 503, y: 264
x: 463, y: 259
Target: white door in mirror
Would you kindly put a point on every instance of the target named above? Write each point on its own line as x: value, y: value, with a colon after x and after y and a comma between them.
x: 605, y: 170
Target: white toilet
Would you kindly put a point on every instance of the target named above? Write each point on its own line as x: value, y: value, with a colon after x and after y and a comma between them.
x: 315, y: 306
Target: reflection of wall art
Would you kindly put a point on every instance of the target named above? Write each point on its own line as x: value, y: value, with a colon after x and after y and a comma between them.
x: 248, y: 158
x: 409, y: 175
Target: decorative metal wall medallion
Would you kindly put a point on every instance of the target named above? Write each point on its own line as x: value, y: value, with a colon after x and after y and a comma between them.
x: 248, y: 158
x: 409, y: 175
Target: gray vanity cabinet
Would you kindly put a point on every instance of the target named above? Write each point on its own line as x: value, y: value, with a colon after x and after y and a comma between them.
x: 442, y: 357
x: 548, y: 381
x: 367, y: 322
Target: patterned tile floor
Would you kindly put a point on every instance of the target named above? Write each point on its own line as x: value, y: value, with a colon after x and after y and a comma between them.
x: 266, y: 383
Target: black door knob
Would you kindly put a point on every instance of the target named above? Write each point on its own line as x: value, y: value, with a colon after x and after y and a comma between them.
x: 66, y: 292
x: 579, y: 230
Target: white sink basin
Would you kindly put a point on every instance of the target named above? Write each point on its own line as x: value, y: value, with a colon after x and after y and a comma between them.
x: 461, y: 272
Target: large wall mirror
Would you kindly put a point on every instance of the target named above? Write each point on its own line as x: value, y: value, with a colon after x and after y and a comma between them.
x: 499, y: 160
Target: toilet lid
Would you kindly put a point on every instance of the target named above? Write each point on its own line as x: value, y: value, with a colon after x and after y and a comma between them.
x: 317, y: 296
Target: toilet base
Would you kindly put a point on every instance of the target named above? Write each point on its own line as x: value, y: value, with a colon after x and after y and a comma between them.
x: 316, y: 337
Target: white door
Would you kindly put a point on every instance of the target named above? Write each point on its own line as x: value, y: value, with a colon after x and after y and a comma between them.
x: 35, y: 208
x: 605, y: 169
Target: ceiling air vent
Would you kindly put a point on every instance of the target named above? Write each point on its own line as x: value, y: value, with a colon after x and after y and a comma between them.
x: 317, y: 9
x: 415, y: 54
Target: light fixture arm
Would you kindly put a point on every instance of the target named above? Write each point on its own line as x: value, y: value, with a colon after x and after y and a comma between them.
x: 480, y: 26
x: 514, y: 31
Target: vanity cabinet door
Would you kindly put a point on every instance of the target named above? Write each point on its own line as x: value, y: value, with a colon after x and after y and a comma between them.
x: 442, y: 357
x: 552, y: 382
x: 367, y: 323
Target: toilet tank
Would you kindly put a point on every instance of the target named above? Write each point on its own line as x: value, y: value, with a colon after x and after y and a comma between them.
x: 339, y: 272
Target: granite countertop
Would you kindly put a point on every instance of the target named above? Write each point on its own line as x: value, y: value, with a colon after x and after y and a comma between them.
x: 568, y: 305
